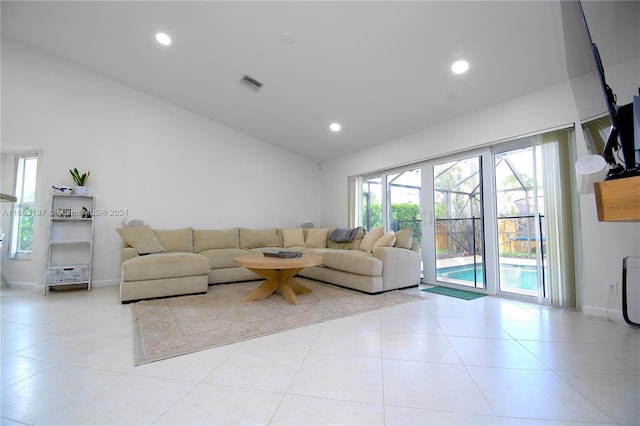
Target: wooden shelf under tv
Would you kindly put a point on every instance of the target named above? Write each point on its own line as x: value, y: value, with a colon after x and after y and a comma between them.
x: 618, y: 200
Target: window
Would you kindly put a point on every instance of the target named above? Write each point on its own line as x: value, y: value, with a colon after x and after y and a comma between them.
x: 23, y: 214
x: 371, y: 203
x: 596, y: 133
x: 392, y: 200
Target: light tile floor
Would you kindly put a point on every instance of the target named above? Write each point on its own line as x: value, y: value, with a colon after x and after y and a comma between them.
x: 67, y: 359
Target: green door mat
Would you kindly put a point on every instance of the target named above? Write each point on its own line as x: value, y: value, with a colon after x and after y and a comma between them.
x: 460, y: 294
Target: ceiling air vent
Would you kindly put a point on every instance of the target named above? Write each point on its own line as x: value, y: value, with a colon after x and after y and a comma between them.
x: 251, y: 83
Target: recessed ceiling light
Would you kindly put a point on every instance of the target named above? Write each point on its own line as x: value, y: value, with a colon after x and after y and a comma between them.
x: 163, y: 39
x: 335, y: 127
x: 460, y: 67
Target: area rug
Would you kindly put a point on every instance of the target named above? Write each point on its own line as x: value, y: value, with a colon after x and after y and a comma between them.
x: 452, y: 292
x: 164, y: 328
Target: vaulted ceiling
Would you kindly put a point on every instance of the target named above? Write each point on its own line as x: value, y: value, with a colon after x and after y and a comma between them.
x: 380, y: 69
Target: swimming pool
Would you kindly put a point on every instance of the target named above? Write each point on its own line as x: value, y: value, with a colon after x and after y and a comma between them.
x: 524, y: 277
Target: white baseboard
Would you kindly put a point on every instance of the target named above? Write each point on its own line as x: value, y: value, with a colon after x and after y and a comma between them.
x: 611, y: 314
x: 105, y: 283
x: 33, y: 286
x: 101, y: 283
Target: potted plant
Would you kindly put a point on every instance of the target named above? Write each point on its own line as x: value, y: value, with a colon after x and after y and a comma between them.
x: 80, y: 180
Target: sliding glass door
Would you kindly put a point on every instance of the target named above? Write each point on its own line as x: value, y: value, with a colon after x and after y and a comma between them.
x: 521, y: 222
x: 403, y: 191
x: 392, y: 200
x: 459, y: 225
x: 489, y: 227
x: 495, y: 220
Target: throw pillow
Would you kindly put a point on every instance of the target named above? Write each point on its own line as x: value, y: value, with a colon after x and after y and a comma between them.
x: 142, y: 238
x: 293, y: 237
x: 386, y: 240
x: 404, y: 238
x: 317, y: 237
x: 370, y: 239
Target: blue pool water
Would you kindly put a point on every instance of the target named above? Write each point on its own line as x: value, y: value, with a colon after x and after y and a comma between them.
x: 523, y: 277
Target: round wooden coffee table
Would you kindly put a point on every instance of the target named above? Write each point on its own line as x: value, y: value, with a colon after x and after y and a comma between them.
x: 279, y: 274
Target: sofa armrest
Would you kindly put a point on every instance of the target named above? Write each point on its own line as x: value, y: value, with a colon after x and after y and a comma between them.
x: 401, y: 267
x: 127, y: 253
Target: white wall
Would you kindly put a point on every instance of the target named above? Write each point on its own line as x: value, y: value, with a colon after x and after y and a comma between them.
x: 159, y: 162
x: 174, y: 168
x: 603, y: 244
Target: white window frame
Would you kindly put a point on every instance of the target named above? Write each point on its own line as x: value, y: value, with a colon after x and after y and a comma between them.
x: 14, y: 245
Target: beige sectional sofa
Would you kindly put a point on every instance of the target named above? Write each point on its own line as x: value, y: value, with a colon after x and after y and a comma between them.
x: 159, y: 263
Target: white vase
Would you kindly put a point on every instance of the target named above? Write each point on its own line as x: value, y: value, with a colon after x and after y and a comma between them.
x: 81, y: 190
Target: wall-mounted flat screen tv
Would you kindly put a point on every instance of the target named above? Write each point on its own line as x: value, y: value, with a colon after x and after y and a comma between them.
x: 596, y: 102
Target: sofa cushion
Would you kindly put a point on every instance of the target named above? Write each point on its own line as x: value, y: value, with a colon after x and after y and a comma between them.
x: 318, y: 251
x: 355, y: 262
x: 207, y: 239
x: 142, y: 238
x: 222, y: 258
x: 176, y: 239
x: 386, y: 240
x: 370, y: 239
x: 256, y: 238
x: 351, y: 245
x: 404, y: 238
x: 292, y: 237
x: 316, y: 237
x: 165, y: 265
